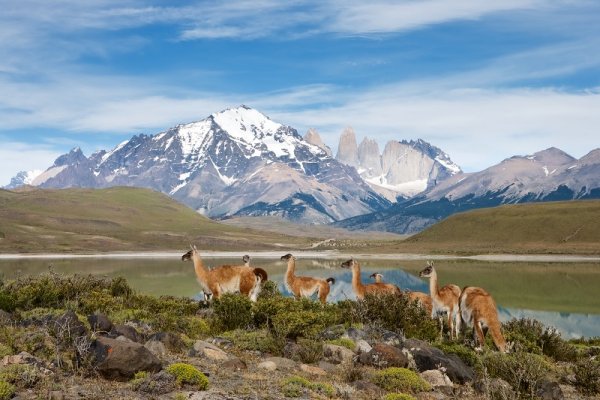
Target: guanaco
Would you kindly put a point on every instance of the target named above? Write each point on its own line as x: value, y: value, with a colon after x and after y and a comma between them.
x: 478, y: 309
x: 377, y: 276
x: 305, y: 286
x: 246, y: 260
x: 360, y: 289
x: 226, y: 278
x: 445, y: 300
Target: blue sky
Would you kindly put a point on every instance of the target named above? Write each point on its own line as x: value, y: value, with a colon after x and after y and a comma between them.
x: 483, y: 80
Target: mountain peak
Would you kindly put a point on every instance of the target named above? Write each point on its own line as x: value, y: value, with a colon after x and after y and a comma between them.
x: 552, y: 156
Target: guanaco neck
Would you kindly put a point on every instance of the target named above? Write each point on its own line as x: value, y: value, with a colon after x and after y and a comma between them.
x: 356, y: 283
x: 201, y: 271
x: 291, y: 270
x: 434, y: 289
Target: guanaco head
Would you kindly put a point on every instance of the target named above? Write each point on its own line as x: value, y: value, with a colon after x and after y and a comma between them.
x: 287, y: 257
x: 349, y: 264
x: 246, y: 259
x: 426, y: 273
x: 188, y: 256
x: 377, y: 276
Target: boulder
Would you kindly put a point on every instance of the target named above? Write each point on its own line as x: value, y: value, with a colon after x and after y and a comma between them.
x: 280, y: 363
x: 172, y: 341
x: 119, y: 360
x: 427, y: 357
x: 157, y: 348
x: 355, y: 334
x: 204, y: 349
x: 221, y: 342
x: 495, y: 388
x: 312, y: 370
x: 27, y: 359
x: 436, y: 378
x: 157, y: 384
x: 234, y: 364
x: 383, y: 356
x: 337, y: 354
x: 362, y: 346
x: 128, y: 331
x: 100, y: 322
x: 68, y: 326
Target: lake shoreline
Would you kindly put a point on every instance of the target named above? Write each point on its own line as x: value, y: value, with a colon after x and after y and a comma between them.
x: 325, y: 254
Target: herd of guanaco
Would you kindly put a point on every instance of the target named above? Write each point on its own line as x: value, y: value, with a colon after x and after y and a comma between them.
x: 471, y: 305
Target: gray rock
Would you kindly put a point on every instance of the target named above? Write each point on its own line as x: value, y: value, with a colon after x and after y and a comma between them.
x: 221, y: 342
x: 118, y: 360
x: 495, y: 388
x: 337, y: 354
x: 156, y: 384
x: 234, y: 364
x: 436, y: 378
x: 355, y: 334
x: 383, y: 356
x: 128, y: 331
x: 281, y: 364
x: 157, y: 348
x: 312, y: 370
x: 100, y: 322
x: 549, y: 390
x: 362, y: 346
x: 208, y: 350
x: 171, y: 340
x: 427, y: 357
x: 347, y: 148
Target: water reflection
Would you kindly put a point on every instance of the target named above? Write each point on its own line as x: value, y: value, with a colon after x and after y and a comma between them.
x: 566, y: 292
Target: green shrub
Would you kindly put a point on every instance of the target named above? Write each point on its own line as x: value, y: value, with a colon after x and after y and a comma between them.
x: 398, y: 396
x: 6, y: 390
x: 7, y: 301
x: 297, y: 386
x: 344, y: 342
x: 309, y: 351
x: 523, y: 371
x: 587, y: 376
x: 291, y: 318
x: 231, y: 311
x: 533, y: 337
x: 268, y: 290
x: 21, y: 375
x: 463, y: 352
x: 5, y: 350
x: 259, y: 340
x: 138, y: 379
x: 397, y: 314
x: 400, y: 380
x: 189, y: 375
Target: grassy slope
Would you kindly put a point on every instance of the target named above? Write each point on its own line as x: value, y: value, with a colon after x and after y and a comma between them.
x: 115, y: 219
x: 571, y: 227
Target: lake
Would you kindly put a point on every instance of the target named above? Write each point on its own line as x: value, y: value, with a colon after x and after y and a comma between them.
x: 560, y: 294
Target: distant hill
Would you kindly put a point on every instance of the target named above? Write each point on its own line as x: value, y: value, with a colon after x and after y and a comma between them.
x: 567, y: 227
x: 36, y: 220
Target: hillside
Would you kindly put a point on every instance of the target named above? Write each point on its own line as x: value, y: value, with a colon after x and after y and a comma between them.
x: 570, y: 227
x: 115, y: 219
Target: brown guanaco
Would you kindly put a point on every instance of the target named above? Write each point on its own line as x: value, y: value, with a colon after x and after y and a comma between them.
x: 305, y: 286
x: 445, y: 300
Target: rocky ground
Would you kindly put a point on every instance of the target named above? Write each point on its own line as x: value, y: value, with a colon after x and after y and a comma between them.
x: 277, y: 348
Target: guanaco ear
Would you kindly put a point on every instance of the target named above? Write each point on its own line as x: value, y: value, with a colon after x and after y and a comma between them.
x: 430, y: 263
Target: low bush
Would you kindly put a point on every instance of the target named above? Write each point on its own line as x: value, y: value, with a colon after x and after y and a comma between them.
x: 21, y: 375
x: 5, y: 350
x: 231, y: 311
x: 309, y: 351
x: 258, y: 340
x: 533, y: 337
x: 297, y: 386
x: 465, y: 353
x: 523, y: 371
x: 587, y: 376
x: 344, y: 342
x: 400, y: 380
x: 189, y: 375
x: 7, y: 390
x: 398, y: 396
x: 397, y: 314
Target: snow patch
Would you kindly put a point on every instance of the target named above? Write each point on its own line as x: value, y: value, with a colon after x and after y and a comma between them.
x: 113, y: 151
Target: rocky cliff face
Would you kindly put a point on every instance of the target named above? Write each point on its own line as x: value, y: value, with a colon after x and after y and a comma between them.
x: 347, y: 149
x: 313, y: 137
x: 235, y: 162
x: 547, y: 175
x: 404, y: 169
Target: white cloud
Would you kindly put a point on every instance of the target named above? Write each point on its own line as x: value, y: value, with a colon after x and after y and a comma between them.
x: 17, y: 156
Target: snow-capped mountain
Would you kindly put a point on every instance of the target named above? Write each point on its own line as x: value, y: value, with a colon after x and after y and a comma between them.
x: 23, y: 178
x: 235, y: 162
x: 404, y: 169
x: 547, y: 175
